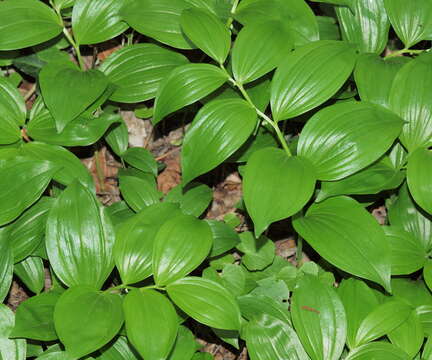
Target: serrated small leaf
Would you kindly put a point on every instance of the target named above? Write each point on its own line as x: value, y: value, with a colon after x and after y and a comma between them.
x: 206, y: 301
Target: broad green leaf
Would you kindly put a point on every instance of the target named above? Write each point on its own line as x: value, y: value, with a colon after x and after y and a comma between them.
x: 409, y: 99
x: 34, y: 318
x: 377, y: 350
x: 25, y: 23
x: 336, y: 2
x: 406, y: 214
x: 96, y: 21
x: 138, y: 69
x: 6, y: 268
x: 328, y: 28
x: 374, y: 77
x: 337, y: 138
x: 118, y: 350
x: 184, y: 85
x: 412, y: 292
x: 365, y: 24
x: 84, y: 329
x: 296, y: 15
x: 207, y: 32
x: 411, y: 20
x: 407, y: 253
x: 370, y: 180
x: 268, y: 338
x: 193, y: 199
x: 135, y: 238
x: 206, y: 301
x: 79, y: 238
x: 419, y: 178
x: 307, y: 77
x: 141, y: 159
x: 7, y: 321
x: 31, y: 272
x: 138, y: 192
x: 261, y: 140
x: 68, y: 92
x: 253, y: 306
x: 382, y: 320
x: 184, y: 346
x: 224, y: 237
x: 425, y: 314
x: 71, y: 167
x: 358, y: 300
x: 119, y: 212
x: 218, y: 130
x: 319, y: 318
x: 427, y: 273
x: 82, y: 131
x: 221, y: 8
x: 12, y: 106
x: 151, y: 323
x: 63, y: 4
x: 258, y: 253
x: 180, y: 245
x: 162, y: 20
x: 25, y: 180
x: 27, y: 232
x: 57, y: 355
x: 117, y: 137
x: 408, y: 336
x: 258, y: 49
x: 10, y: 349
x: 347, y: 236
x: 270, y: 176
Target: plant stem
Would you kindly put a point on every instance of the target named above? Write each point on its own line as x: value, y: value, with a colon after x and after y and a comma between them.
x: 299, y: 251
x: 403, y: 51
x: 232, y: 12
x: 75, y: 46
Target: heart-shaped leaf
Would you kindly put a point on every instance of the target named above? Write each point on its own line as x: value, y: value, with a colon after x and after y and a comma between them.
x: 181, y: 244
x: 347, y: 236
x: 68, y: 92
x: 206, y: 301
x: 152, y: 332
x: 337, y: 138
x: 307, y: 77
x: 218, y: 130
x: 419, y: 178
x: 270, y: 176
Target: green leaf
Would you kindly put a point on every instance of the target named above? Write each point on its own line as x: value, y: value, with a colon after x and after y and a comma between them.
x: 97, y: 21
x: 206, y: 301
x: 84, y: 329
x: 271, y: 175
x: 138, y: 192
x: 162, y: 20
x: 224, y: 237
x: 365, y: 24
x: 135, y: 238
x: 307, y: 77
x: 193, y: 199
x: 347, y: 236
x: 184, y: 346
x: 319, y: 318
x: 82, y: 131
x: 63, y: 4
x: 268, y: 338
x: 118, y: 350
x: 407, y: 253
x: 259, y: 253
x: 382, y: 320
x: 79, y: 238
x: 406, y: 214
x: 25, y: 23
x: 375, y: 350
x: 31, y: 272
x: 68, y: 92
x: 427, y: 273
x: 258, y: 49
x: 151, y: 323
x: 411, y: 20
x: 358, y: 300
x: 418, y: 177
x: 12, y: 106
x: 142, y: 159
x: 10, y: 349
x: 328, y: 28
x: 409, y: 99
x: 207, y: 32
x: 34, y: 317
x: 117, y: 137
x: 253, y: 306
x: 71, y: 167
x: 408, y: 336
x: 7, y: 321
x: 25, y: 180
x: 337, y: 138
x: 6, y: 268
x: 28, y: 231
x: 374, y: 77
x: 218, y: 130
x: 137, y: 70
x: 412, y: 292
x: 181, y: 244
x: 172, y: 95
x: 296, y: 15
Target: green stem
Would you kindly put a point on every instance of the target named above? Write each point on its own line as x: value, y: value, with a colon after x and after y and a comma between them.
x: 299, y: 251
x: 404, y: 51
x: 232, y: 13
